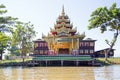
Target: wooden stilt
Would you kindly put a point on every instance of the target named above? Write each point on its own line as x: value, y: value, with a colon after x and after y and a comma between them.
x: 62, y: 62
x: 46, y: 62
x: 77, y: 63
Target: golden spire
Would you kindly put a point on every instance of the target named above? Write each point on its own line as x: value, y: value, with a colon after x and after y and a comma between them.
x: 63, y: 13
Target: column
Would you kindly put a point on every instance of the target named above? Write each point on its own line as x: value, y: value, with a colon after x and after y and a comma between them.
x: 78, y: 43
x: 46, y: 62
x: 62, y: 62
x: 77, y: 63
x: 72, y: 43
x: 93, y: 62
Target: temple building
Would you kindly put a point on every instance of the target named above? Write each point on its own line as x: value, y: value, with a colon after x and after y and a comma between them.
x: 63, y: 39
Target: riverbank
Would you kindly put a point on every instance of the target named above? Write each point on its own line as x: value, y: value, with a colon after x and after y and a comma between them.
x: 4, y: 63
x: 18, y: 62
x: 114, y: 60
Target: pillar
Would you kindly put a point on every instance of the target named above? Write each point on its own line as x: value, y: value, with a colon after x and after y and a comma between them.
x: 72, y: 46
x: 93, y: 62
x: 62, y: 62
x: 77, y: 63
x: 46, y: 62
x: 78, y: 43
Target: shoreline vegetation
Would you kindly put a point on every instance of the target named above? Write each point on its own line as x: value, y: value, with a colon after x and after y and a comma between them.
x: 5, y: 63
x: 110, y: 61
x: 19, y: 62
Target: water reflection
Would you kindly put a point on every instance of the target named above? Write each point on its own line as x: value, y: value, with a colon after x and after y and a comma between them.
x: 61, y: 73
x: 107, y: 73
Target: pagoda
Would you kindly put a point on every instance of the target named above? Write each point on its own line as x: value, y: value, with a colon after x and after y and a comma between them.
x: 64, y: 45
x: 63, y: 38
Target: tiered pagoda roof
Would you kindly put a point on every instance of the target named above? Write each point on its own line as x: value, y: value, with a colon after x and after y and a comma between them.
x: 63, y: 27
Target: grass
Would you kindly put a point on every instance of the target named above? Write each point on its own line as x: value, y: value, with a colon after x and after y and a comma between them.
x: 2, y: 62
x: 113, y: 60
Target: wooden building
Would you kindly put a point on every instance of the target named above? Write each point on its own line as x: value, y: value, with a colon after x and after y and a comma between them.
x: 40, y: 47
x: 87, y: 47
x: 63, y: 38
x: 101, y: 53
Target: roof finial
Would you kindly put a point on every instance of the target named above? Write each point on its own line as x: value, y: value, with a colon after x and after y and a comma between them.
x: 63, y: 13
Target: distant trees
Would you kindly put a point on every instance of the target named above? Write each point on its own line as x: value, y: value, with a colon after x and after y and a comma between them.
x: 15, y: 34
x: 107, y: 19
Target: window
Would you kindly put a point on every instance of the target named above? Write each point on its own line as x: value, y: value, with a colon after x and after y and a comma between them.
x: 45, y: 44
x: 91, y: 43
x: 64, y: 40
x: 46, y: 52
x: 36, y: 45
x: 36, y: 51
x: 86, y: 43
x: 91, y: 51
x: 40, y: 44
x: 81, y: 44
x: 41, y: 51
x: 86, y: 51
x: 81, y: 51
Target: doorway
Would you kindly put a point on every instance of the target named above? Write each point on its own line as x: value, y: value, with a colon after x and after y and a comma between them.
x: 63, y: 51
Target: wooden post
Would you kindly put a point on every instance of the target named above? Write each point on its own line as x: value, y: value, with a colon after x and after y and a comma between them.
x: 46, y: 62
x: 78, y: 43
x: 62, y: 62
x: 77, y: 63
x: 72, y: 43
x: 93, y: 62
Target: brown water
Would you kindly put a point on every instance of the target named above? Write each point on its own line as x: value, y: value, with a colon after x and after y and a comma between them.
x: 61, y: 73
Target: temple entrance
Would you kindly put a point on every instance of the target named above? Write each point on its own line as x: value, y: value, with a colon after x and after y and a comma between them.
x: 63, y: 51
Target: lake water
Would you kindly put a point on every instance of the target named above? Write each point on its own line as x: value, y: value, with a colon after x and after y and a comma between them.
x: 61, y: 73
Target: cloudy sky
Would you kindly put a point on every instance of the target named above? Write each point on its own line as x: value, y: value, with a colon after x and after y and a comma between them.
x: 43, y: 14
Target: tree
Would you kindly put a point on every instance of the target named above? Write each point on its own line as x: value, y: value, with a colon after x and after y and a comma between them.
x: 6, y: 23
x: 3, y: 43
x: 22, y: 37
x: 14, y: 50
x: 107, y: 19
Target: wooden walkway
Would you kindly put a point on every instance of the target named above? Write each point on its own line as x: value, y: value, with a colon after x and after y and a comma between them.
x: 65, y: 58
x: 62, y: 60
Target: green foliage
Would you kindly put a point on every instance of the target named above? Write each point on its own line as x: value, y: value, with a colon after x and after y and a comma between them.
x: 14, y: 50
x: 3, y: 42
x: 22, y: 34
x: 3, y: 39
x: 102, y: 17
x: 5, y: 21
x: 1, y: 9
x: 106, y: 19
x: 22, y: 37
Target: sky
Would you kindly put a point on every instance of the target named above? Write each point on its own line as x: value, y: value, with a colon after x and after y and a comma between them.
x: 43, y: 14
